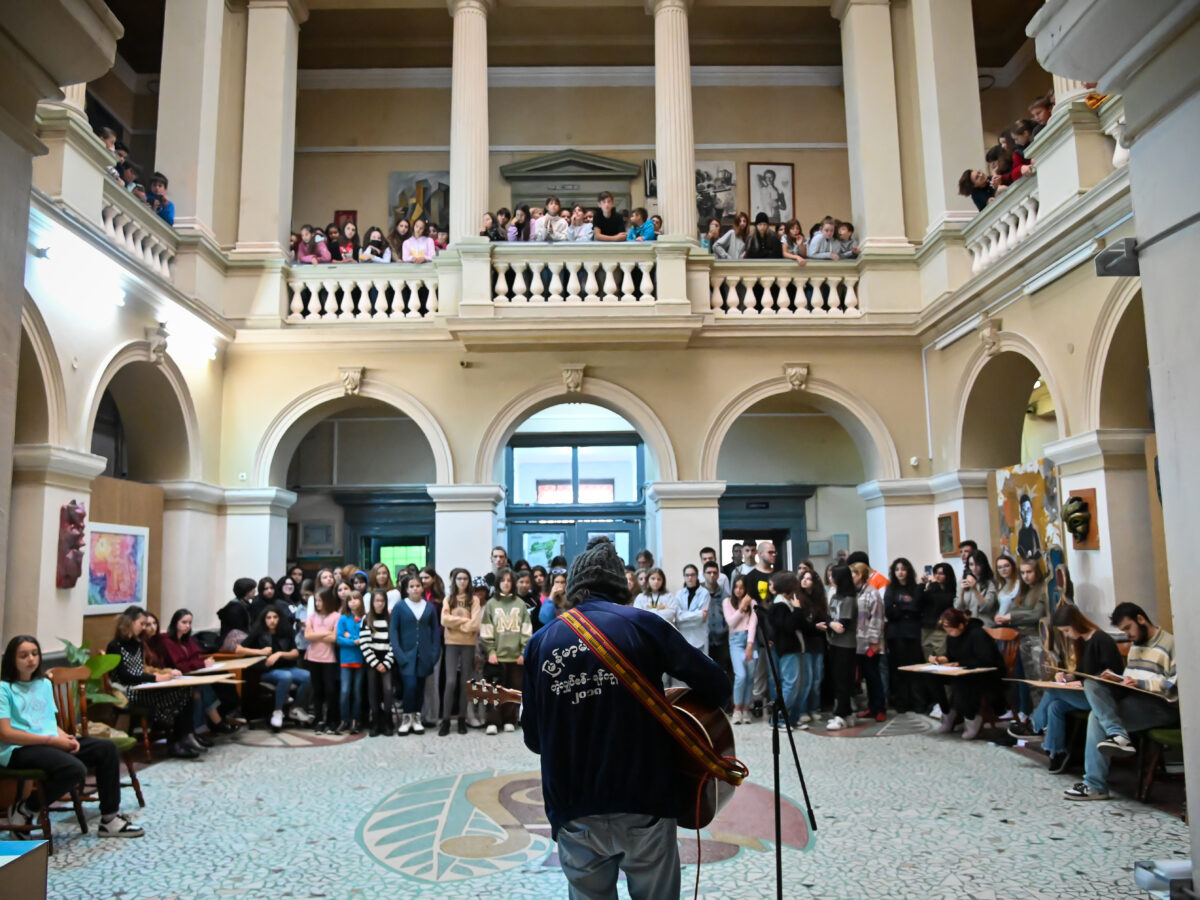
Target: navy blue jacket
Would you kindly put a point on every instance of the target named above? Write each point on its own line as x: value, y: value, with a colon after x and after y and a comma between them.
x: 602, y: 752
x: 416, y: 644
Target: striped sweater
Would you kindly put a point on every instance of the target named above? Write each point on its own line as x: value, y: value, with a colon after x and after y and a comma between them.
x: 1152, y: 665
x: 375, y: 642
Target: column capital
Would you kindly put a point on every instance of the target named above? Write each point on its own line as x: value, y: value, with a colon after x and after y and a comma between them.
x: 298, y: 8
x: 685, y: 494
x: 896, y: 492
x: 480, y: 6
x: 57, y: 466
x: 466, y: 497
x: 197, y: 495
x: 257, y: 501
x: 654, y: 7
x: 960, y: 484
x: 839, y: 8
x: 1104, y: 448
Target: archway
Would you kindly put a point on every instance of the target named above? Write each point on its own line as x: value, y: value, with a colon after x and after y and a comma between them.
x: 792, y: 471
x: 660, y: 454
x: 1009, y: 413
x: 573, y: 471
x: 41, y: 395
x: 359, y: 468
x: 1124, y: 386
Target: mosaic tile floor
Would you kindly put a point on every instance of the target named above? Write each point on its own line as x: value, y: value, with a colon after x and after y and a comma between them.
x: 459, y: 817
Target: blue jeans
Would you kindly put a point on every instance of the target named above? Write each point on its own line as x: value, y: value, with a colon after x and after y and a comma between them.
x: 592, y: 850
x: 413, y: 690
x: 1117, y: 711
x: 352, y: 693
x: 283, y: 679
x: 207, y: 700
x: 742, y: 682
x: 789, y: 675
x: 812, y: 671
x: 1051, y: 717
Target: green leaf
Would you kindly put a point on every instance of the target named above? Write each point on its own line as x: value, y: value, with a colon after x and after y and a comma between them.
x: 96, y: 697
x: 104, y: 662
x: 76, y: 655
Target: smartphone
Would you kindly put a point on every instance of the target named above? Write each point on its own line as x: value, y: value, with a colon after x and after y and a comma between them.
x: 929, y: 570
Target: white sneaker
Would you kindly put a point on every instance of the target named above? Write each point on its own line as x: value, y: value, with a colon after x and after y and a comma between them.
x: 936, y: 712
x: 804, y: 719
x: 120, y: 826
x: 406, y: 724
x: 491, y: 729
x: 837, y: 723
x: 508, y: 728
x: 417, y: 727
x: 277, y: 719
x: 303, y: 716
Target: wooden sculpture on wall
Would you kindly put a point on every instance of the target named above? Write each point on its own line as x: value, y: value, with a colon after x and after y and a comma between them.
x: 71, y: 518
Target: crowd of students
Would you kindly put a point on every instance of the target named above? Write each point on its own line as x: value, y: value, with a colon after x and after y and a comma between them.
x: 351, y: 649
x: 152, y: 191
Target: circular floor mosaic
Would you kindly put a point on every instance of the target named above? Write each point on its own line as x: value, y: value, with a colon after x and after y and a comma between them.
x: 264, y: 737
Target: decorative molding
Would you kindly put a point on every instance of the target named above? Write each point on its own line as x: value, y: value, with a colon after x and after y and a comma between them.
x: 466, y: 497
x: 1098, y: 444
x: 566, y: 77
x: 157, y: 337
x: 257, y: 501
x: 685, y: 494
x: 595, y: 148
x: 572, y: 375
x: 989, y: 336
x: 192, y: 495
x: 55, y: 466
x: 896, y: 492
x: 968, y: 484
x: 351, y: 378
x: 796, y: 375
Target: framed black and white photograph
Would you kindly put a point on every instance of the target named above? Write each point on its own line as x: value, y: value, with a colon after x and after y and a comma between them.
x: 716, y: 192
x: 650, y: 174
x: 772, y: 191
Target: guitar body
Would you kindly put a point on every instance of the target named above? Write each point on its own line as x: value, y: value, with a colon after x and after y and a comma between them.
x: 714, y: 725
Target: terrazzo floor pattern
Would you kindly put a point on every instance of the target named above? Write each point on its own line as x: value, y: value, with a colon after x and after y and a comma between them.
x: 906, y: 816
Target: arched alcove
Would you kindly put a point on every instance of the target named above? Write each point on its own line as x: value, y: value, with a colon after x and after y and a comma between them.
x: 1125, y: 377
x: 33, y: 411
x: 1009, y: 414
x: 149, y: 423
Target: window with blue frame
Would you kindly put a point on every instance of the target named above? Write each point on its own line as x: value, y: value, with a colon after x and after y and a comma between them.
x: 585, y: 470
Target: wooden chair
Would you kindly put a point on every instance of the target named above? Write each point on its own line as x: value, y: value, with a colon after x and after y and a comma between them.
x: 70, y: 696
x: 1008, y: 640
x: 1150, y: 756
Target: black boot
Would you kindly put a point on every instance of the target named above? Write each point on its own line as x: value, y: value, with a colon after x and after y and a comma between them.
x: 462, y: 726
x: 374, y: 732
x: 444, y: 728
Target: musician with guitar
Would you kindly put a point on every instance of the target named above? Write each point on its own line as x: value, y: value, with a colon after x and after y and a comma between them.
x: 610, y: 766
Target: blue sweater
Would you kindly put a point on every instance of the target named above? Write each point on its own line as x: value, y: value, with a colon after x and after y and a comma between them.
x: 416, y: 644
x: 349, y: 651
x: 602, y: 752
x: 645, y: 231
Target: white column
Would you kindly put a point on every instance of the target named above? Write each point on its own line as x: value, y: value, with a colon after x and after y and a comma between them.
x: 674, y: 139
x: 900, y: 521
x: 948, y: 96
x: 1112, y: 462
x: 682, y: 516
x: 469, y: 160
x: 269, y: 126
x: 252, y: 534
x: 44, y: 479
x: 74, y: 100
x: 464, y: 525
x: 191, y: 527
x: 188, y: 96
x: 1066, y: 90
x: 872, y: 129
x: 965, y: 492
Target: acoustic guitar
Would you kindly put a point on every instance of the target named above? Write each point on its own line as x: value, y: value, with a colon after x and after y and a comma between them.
x: 695, y: 807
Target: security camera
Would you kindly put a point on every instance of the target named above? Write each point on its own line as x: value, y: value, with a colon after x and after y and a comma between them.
x: 1118, y: 260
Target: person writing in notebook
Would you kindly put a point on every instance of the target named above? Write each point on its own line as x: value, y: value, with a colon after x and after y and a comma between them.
x: 608, y: 766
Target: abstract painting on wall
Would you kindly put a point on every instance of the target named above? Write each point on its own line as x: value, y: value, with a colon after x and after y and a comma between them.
x: 415, y: 195
x: 118, y: 561
x: 1027, y: 511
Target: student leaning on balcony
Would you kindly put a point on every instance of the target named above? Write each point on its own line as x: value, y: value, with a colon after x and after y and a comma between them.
x: 732, y: 244
x: 310, y: 249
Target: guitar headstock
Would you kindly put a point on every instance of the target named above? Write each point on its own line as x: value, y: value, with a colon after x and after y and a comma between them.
x: 491, y: 694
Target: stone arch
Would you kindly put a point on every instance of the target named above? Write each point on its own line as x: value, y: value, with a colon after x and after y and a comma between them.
x: 158, y: 407
x: 880, y: 458
x: 593, y: 390
x: 40, y: 388
x: 1121, y: 324
x: 289, y: 426
x: 1010, y: 351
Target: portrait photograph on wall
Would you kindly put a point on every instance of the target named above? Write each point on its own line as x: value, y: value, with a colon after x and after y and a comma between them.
x: 413, y: 195
x: 948, y: 537
x: 716, y: 192
x: 650, y: 177
x: 118, y: 567
x: 1027, y: 513
x: 772, y: 191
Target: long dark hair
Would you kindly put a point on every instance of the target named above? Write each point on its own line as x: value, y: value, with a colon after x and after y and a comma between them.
x: 523, y: 228
x: 951, y: 585
x: 843, y: 582
x: 894, y: 580
x: 452, y: 593
x: 979, y: 558
x: 8, y: 667
x: 260, y: 624
x: 813, y: 602
x: 437, y: 590
x: 328, y: 600
x: 370, y: 610
x: 173, y: 627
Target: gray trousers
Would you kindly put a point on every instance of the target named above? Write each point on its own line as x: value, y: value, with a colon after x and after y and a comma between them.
x: 594, y: 849
x: 460, y: 663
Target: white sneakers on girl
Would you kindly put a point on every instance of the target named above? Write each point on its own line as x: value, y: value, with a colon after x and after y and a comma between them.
x: 837, y: 723
x: 406, y: 724
x: 415, y: 720
x: 491, y: 729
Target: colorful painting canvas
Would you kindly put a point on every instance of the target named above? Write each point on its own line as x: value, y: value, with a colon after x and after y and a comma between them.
x: 1027, y: 511
x: 118, y: 558
x: 416, y: 195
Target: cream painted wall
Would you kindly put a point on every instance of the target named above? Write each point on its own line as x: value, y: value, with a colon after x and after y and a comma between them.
x: 317, y: 506
x: 578, y: 117
x: 789, y: 449
x: 368, y: 451
x: 836, y: 509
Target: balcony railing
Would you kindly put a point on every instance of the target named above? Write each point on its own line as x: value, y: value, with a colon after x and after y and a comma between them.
x: 1003, y: 224
x: 353, y: 292
x: 784, y: 290
x: 136, y: 228
x: 573, y: 274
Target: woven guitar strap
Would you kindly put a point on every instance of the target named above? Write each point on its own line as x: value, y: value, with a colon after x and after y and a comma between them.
x: 682, y: 729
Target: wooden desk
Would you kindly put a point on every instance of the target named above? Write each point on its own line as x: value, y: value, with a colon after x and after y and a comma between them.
x: 236, y: 667
x: 949, y: 671
x: 1050, y: 685
x: 184, y: 681
x: 236, y: 664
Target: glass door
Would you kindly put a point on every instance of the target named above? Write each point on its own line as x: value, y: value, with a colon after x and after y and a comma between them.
x: 539, y: 542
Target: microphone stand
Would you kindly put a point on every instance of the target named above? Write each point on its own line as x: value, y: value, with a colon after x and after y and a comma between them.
x: 779, y: 713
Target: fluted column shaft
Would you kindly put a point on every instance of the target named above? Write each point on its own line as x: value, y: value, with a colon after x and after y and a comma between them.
x: 469, y: 163
x: 1066, y: 90
x: 674, y: 133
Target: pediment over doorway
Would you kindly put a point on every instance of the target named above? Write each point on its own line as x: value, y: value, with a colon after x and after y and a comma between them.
x: 574, y: 176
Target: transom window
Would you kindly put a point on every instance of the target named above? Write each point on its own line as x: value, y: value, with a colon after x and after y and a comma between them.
x: 580, y: 470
